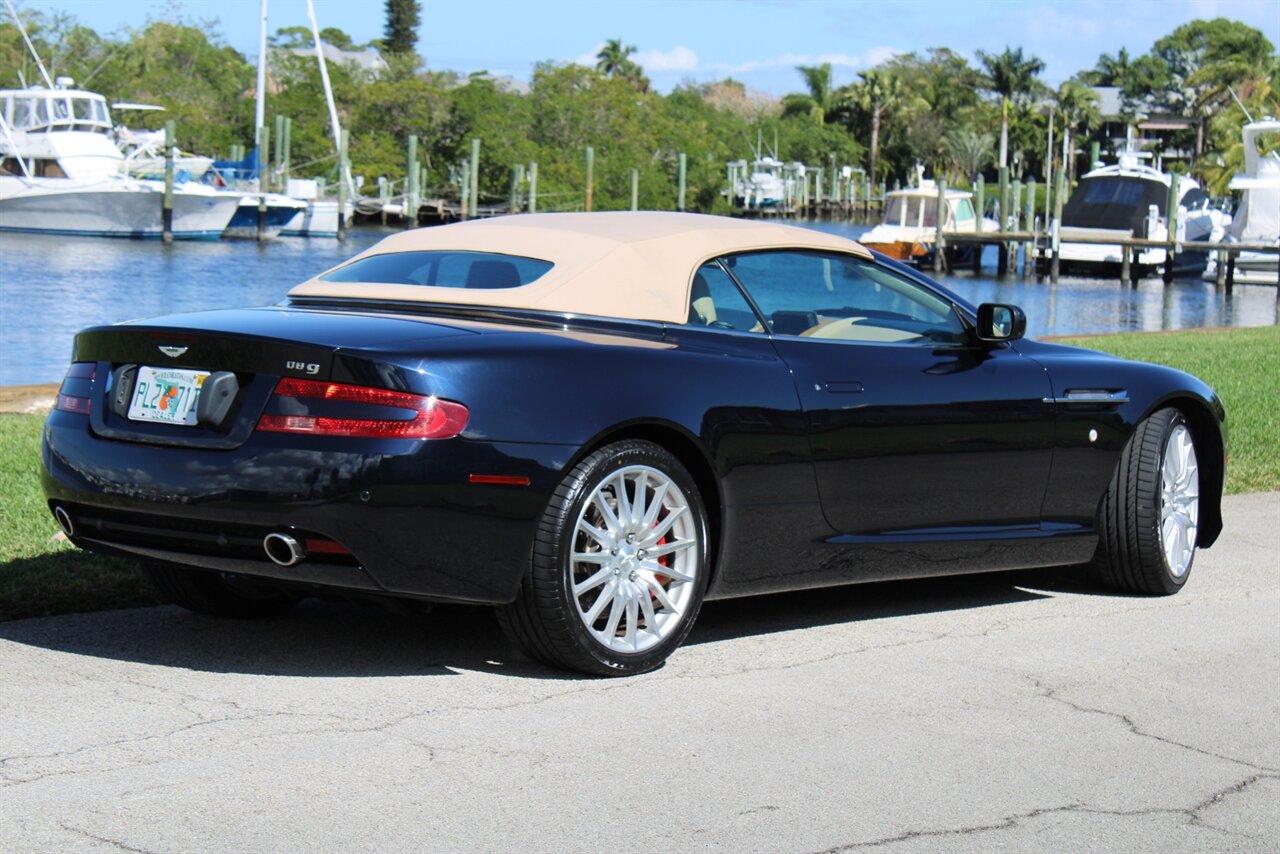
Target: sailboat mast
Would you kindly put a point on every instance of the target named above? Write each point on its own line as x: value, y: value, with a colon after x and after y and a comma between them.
x: 324, y: 77
x: 260, y: 102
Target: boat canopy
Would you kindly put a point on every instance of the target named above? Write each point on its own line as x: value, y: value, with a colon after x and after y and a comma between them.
x: 36, y: 110
x: 921, y: 211
x: 1120, y: 202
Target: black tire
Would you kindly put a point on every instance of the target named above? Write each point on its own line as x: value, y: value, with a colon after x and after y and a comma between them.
x: 209, y: 593
x: 545, y: 619
x: 1130, y: 555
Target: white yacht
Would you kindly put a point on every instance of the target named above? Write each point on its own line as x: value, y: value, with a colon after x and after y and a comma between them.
x: 1130, y: 199
x: 1257, y: 217
x: 60, y: 173
x: 909, y: 226
x: 764, y: 187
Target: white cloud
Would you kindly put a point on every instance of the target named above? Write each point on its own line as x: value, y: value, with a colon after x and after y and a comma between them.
x: 591, y: 57
x: 679, y: 58
x: 877, y: 55
x: 873, y: 56
x: 1048, y: 22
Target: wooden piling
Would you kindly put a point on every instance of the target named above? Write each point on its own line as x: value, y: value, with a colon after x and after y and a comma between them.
x: 1222, y: 268
x: 635, y: 189
x: 288, y: 155
x: 1126, y: 271
x: 939, y: 221
x: 1029, y: 245
x: 277, y: 153
x: 1015, y: 222
x: 264, y: 160
x: 517, y: 179
x: 474, y: 174
x: 1004, y: 198
x: 980, y: 199
x: 411, y: 185
x: 1055, y: 264
x: 465, y: 191
x: 591, y: 179
x: 533, y: 187
x: 344, y: 177
x: 1231, y: 272
x: 1171, y: 222
x: 683, y: 167
x: 166, y: 215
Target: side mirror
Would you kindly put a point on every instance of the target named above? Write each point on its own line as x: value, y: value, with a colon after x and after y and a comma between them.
x: 999, y: 322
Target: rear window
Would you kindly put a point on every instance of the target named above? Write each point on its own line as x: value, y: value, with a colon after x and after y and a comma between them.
x: 443, y: 269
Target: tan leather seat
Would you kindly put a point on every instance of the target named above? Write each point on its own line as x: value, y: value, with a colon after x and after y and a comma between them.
x: 702, y: 309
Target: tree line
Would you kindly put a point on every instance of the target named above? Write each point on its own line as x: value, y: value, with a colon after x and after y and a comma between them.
x: 959, y: 118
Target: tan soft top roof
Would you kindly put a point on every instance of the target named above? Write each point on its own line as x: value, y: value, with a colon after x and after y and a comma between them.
x: 618, y: 264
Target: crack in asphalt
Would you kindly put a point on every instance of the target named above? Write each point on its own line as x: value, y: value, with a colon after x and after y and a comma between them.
x: 123, y: 742
x: 1192, y: 814
x: 112, y: 842
x: 1051, y: 693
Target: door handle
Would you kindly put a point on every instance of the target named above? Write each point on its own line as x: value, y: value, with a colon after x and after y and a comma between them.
x: 844, y: 387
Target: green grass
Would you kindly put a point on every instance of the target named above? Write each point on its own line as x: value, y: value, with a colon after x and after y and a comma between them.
x: 1243, y: 366
x: 42, y: 575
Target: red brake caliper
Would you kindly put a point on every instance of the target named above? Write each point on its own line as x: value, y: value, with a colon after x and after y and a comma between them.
x: 664, y: 560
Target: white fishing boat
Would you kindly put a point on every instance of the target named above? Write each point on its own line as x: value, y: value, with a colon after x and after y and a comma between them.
x: 60, y: 173
x: 1130, y: 199
x: 909, y: 226
x: 763, y: 187
x: 1257, y: 217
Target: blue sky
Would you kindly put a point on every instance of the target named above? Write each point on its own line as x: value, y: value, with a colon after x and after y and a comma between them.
x: 756, y: 41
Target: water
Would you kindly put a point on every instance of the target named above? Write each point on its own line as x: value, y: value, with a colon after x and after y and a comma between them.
x: 51, y: 287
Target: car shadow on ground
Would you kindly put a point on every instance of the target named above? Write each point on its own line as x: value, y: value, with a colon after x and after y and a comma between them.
x: 340, y: 639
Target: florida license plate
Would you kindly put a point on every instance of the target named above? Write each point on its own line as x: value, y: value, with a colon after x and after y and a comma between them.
x: 167, y: 395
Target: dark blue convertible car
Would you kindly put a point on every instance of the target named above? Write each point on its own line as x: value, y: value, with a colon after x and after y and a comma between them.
x: 594, y: 422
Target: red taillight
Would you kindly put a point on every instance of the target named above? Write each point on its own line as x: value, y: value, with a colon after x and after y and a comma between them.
x: 433, y: 418
x: 71, y: 402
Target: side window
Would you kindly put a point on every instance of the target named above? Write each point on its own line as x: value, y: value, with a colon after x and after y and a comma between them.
x: 714, y: 300
x: 843, y: 298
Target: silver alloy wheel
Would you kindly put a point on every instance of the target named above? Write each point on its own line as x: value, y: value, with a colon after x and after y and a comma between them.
x: 635, y: 559
x: 1179, y: 500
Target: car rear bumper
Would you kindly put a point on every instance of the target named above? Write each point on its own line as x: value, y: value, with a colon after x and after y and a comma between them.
x: 398, y: 517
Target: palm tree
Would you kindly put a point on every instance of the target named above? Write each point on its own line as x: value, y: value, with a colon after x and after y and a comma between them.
x: 614, y: 58
x: 879, y: 94
x: 1012, y: 76
x: 822, y: 100
x: 1078, y: 105
x: 1111, y: 70
x: 970, y: 150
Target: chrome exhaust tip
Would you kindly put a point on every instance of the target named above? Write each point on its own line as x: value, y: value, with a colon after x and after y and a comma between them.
x: 64, y: 520
x: 283, y: 549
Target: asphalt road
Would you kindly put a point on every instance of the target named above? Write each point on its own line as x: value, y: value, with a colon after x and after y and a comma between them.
x: 1019, y: 712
